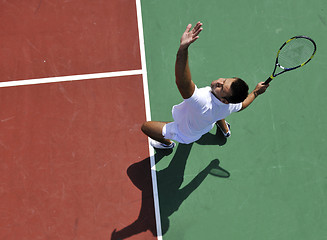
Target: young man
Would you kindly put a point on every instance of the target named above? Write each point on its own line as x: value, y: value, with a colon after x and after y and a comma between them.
x: 202, y: 108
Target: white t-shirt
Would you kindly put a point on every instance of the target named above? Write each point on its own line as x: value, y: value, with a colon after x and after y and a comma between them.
x: 197, y: 115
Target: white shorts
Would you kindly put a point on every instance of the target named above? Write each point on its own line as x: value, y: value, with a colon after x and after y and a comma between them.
x: 171, y: 131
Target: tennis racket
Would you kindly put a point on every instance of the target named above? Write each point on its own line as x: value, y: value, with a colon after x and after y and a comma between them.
x: 294, y: 53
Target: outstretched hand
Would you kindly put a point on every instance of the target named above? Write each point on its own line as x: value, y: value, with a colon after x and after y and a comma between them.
x: 190, y: 36
x: 260, y: 88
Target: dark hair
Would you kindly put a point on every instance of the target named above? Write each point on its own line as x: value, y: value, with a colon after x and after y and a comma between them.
x: 239, y: 89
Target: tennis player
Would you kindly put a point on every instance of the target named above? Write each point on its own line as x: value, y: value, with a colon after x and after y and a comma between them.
x: 202, y: 108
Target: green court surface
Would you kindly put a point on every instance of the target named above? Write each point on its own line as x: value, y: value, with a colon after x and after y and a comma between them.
x: 276, y: 155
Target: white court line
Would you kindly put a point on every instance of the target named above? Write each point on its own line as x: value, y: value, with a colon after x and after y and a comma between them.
x: 148, y: 118
x: 142, y: 72
x: 70, y: 78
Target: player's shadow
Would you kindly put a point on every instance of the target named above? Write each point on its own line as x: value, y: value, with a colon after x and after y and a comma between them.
x: 212, y: 139
x: 170, y: 180
x: 172, y: 196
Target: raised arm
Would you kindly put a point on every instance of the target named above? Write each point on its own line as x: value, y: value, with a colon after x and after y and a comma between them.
x: 259, y: 89
x: 184, y: 81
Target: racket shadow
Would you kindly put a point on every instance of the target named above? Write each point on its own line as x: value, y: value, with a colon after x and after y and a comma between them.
x: 171, y: 194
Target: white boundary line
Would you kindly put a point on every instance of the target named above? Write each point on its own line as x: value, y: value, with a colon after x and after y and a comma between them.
x: 142, y: 72
x: 148, y: 118
x: 70, y: 78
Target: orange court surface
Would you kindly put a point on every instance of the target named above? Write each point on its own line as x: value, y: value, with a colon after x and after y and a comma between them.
x: 76, y: 82
x: 72, y: 102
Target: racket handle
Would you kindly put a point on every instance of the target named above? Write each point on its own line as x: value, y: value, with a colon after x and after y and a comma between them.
x: 267, y: 81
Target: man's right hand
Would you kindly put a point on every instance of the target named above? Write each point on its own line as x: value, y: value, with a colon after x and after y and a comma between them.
x: 260, y: 88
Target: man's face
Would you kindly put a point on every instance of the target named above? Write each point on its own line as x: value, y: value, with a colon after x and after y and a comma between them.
x: 221, y: 88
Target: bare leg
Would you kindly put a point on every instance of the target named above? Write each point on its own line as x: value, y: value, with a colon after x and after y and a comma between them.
x: 154, y: 130
x: 223, y: 126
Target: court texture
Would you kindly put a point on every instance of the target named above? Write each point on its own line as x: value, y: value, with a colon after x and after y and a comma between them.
x: 77, y: 80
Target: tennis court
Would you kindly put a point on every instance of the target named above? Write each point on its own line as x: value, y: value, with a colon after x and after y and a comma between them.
x: 78, y: 78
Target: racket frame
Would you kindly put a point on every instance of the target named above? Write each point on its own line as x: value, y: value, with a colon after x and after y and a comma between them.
x: 273, y: 75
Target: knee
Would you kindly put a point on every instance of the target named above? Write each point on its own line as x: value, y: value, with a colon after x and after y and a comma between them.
x: 152, y: 129
x: 145, y: 127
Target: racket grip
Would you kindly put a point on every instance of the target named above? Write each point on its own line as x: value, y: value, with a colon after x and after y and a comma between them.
x: 267, y: 81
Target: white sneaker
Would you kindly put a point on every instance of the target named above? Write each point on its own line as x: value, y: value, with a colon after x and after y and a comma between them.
x: 227, y: 135
x: 160, y: 145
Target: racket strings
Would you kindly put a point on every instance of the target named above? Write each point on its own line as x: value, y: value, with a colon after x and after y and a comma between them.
x: 295, y: 53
